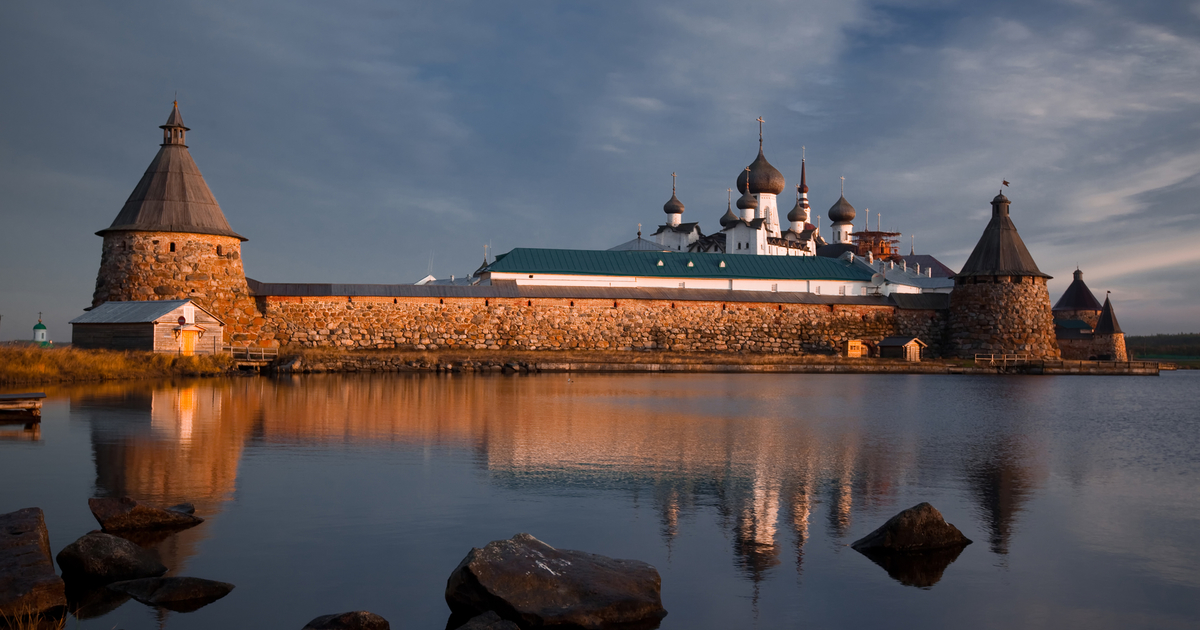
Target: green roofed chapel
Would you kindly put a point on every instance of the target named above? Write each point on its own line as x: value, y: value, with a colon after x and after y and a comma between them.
x: 1000, y: 303
x: 170, y: 241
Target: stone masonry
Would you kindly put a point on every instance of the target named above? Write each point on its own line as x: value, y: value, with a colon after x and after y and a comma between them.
x: 995, y: 315
x: 559, y: 324
x: 204, y: 268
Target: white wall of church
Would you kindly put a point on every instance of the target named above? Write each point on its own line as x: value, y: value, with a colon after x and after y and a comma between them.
x: 823, y: 287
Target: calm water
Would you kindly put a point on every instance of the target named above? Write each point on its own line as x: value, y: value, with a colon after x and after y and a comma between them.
x: 333, y: 493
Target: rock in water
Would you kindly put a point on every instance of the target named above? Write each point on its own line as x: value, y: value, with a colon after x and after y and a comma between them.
x: 181, y: 594
x: 919, y: 528
x: 489, y: 621
x: 116, y: 514
x: 357, y: 620
x: 527, y: 581
x: 106, y: 558
x: 28, y: 583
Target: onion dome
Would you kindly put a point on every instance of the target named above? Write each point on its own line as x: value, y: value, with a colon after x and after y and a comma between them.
x: 799, y: 211
x: 842, y: 211
x: 747, y: 202
x: 673, y: 206
x: 729, y: 218
x: 763, y: 177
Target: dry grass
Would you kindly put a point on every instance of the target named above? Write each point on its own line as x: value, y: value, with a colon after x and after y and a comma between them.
x: 30, y: 620
x: 37, y: 365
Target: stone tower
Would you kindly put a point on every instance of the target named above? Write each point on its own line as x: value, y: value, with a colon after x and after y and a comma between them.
x: 1000, y: 304
x: 1077, y: 303
x: 171, y: 241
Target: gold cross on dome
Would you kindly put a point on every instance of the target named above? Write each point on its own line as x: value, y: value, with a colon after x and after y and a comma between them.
x: 760, y: 124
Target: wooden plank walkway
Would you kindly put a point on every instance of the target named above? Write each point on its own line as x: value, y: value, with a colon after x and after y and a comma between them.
x: 21, y: 407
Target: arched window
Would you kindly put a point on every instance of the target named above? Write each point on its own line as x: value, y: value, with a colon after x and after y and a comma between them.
x: 218, y: 250
x: 172, y: 246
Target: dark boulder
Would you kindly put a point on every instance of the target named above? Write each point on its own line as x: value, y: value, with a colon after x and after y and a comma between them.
x: 28, y: 583
x: 488, y: 621
x: 922, y: 569
x: 124, y: 513
x: 103, y: 558
x: 180, y: 594
x: 525, y: 580
x: 914, y: 546
x: 919, y: 528
x: 357, y: 620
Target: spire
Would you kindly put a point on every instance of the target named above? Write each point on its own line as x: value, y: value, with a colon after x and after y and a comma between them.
x: 803, y: 177
x: 1108, y: 320
x: 673, y: 206
x: 174, y: 132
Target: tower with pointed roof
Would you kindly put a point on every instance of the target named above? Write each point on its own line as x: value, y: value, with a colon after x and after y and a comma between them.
x: 1085, y: 329
x: 1000, y: 303
x: 171, y: 241
x: 1077, y: 303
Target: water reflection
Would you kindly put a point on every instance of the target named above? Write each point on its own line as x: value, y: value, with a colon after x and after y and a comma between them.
x: 765, y: 468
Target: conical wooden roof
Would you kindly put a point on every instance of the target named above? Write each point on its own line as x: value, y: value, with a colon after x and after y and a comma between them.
x: 1077, y: 297
x: 172, y: 196
x: 1108, y: 320
x: 1000, y: 251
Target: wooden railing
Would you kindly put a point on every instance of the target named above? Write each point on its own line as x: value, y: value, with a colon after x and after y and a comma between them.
x: 252, y: 354
x: 1001, y: 359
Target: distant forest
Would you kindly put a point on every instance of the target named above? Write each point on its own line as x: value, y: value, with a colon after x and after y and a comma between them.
x: 1181, y: 345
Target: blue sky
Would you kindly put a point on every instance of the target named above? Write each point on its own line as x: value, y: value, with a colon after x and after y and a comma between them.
x: 356, y: 141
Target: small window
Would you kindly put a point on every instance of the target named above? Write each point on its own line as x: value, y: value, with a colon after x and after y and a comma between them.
x: 485, y: 303
x: 530, y: 275
x: 528, y: 302
x: 218, y: 250
x: 441, y: 301
x: 572, y: 302
x: 682, y: 285
x: 172, y: 246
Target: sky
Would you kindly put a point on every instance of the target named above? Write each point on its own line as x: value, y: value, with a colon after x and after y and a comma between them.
x: 372, y: 142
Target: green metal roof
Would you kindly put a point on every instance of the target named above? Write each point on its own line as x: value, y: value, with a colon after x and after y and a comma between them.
x: 675, y: 265
x: 39, y: 326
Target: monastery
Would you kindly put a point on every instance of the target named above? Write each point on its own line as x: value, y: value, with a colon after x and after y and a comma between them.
x: 751, y: 287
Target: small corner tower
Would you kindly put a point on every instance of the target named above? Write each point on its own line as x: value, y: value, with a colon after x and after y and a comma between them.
x: 171, y: 241
x: 1000, y: 304
x: 1109, y: 338
x: 1077, y: 303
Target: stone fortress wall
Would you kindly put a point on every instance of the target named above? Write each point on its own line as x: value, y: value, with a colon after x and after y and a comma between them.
x: 585, y: 324
x: 1098, y: 348
x: 205, y: 268
x: 1002, y: 315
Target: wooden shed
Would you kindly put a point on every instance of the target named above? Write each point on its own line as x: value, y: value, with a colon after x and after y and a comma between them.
x: 907, y: 348
x: 855, y: 348
x: 171, y: 326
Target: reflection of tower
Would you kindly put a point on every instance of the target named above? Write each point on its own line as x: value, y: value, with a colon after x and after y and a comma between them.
x: 1001, y: 483
x: 842, y: 493
x: 801, y: 507
x: 173, y: 445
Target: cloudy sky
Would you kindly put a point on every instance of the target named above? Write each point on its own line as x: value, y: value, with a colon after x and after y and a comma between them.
x: 365, y: 141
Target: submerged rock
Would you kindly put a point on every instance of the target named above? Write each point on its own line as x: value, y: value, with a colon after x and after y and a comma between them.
x: 356, y: 620
x: 28, y: 583
x: 525, y: 580
x: 489, y: 621
x: 919, y: 528
x: 124, y: 513
x: 104, y: 558
x: 181, y: 594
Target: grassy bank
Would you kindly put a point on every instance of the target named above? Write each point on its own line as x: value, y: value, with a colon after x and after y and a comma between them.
x: 36, y: 365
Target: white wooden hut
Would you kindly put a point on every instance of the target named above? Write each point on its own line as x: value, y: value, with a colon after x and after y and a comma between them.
x: 171, y: 326
x: 907, y: 348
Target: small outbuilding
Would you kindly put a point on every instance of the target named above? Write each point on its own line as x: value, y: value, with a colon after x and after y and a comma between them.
x: 170, y: 326
x: 855, y: 348
x: 907, y: 348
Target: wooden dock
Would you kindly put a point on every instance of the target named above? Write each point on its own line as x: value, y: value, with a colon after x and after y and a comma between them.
x: 21, y: 408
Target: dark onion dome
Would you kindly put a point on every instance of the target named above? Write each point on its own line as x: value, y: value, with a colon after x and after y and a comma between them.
x: 798, y: 213
x: 763, y: 177
x: 747, y: 202
x: 172, y: 195
x: 729, y: 218
x: 1077, y: 297
x: 1108, y: 320
x: 1000, y: 250
x: 841, y: 211
x: 673, y: 206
